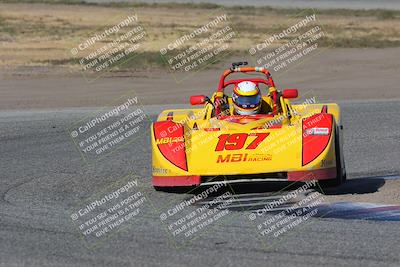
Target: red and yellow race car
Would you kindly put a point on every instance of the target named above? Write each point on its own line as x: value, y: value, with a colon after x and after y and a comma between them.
x: 283, y: 142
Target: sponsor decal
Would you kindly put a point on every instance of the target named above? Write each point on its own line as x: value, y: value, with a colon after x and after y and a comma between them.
x: 160, y: 170
x: 167, y: 143
x: 243, y: 157
x: 169, y: 140
x: 238, y: 140
x: 326, y: 163
x: 317, y: 131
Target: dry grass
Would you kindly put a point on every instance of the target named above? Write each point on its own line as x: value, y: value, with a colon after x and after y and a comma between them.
x: 45, y: 33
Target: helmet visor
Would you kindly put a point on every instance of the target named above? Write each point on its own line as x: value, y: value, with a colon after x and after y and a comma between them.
x: 247, y: 102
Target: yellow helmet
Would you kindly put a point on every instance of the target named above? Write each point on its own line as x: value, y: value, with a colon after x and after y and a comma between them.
x: 246, y: 98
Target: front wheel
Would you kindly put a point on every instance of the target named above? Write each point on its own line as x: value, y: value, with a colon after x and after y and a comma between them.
x: 173, y: 189
x: 341, y: 175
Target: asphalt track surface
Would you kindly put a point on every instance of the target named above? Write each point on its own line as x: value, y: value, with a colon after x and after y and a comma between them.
x: 43, y: 177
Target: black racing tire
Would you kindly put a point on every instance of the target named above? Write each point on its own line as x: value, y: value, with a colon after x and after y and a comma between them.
x: 164, y: 188
x: 173, y: 189
x: 340, y: 177
x: 158, y: 188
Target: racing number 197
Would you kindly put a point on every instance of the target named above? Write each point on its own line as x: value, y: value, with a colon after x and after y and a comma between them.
x: 238, y: 140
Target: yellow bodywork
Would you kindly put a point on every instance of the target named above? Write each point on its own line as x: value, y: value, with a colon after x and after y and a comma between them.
x: 279, y: 151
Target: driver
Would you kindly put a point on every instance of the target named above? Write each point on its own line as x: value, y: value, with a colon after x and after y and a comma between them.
x: 246, y: 98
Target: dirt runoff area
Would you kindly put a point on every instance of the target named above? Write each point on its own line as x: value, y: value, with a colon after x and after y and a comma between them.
x: 334, y: 74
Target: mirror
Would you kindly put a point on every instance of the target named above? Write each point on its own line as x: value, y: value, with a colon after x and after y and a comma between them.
x: 290, y: 93
x: 198, y: 99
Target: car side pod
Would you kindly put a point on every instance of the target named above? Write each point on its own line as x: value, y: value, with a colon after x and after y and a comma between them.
x: 170, y: 141
x: 317, y: 131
